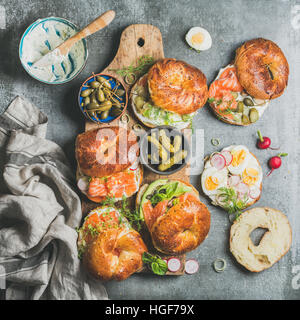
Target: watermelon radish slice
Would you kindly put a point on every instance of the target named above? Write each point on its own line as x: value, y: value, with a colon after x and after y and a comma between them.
x: 228, y: 157
x: 242, y: 188
x: 218, y: 161
x: 83, y: 184
x: 174, y: 264
x: 233, y: 181
x: 191, y: 266
x: 254, y: 192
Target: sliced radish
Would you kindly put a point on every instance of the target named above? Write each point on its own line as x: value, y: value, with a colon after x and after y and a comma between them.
x: 218, y: 161
x: 174, y: 264
x: 234, y: 181
x: 191, y: 266
x: 83, y: 184
x: 242, y: 188
x: 228, y: 157
x: 254, y: 192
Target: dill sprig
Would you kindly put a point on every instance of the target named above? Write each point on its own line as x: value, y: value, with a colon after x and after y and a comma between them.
x: 132, y: 216
x: 142, y: 67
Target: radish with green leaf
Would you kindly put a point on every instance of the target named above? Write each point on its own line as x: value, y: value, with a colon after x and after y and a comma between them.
x: 275, y: 162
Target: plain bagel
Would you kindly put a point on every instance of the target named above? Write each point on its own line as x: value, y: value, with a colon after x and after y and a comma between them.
x: 275, y: 243
x: 262, y: 68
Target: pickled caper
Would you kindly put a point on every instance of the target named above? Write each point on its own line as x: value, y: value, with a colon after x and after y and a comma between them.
x: 115, y: 111
x: 87, y: 101
x: 240, y: 107
x: 139, y: 102
x: 95, y: 84
x: 248, y: 102
x: 100, y: 95
x: 120, y: 92
x: 86, y: 93
x: 245, y: 119
x: 253, y: 115
x: 93, y: 105
x: 104, y: 115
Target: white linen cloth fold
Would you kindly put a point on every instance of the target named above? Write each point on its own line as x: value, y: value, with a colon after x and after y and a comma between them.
x: 39, y: 211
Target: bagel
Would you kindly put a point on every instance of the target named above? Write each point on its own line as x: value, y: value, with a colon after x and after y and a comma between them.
x: 246, y: 184
x: 275, y: 243
x: 177, y: 224
x: 107, y: 164
x: 262, y: 68
x: 169, y: 94
x: 110, y: 248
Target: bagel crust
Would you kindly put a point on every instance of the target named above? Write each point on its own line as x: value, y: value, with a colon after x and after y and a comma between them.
x: 274, y: 244
x: 117, y: 144
x: 177, y: 86
x: 262, y: 68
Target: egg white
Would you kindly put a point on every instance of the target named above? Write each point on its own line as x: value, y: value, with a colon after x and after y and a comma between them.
x: 206, y: 43
x: 221, y: 175
x: 238, y: 170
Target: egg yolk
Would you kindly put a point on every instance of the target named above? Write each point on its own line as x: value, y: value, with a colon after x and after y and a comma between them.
x: 211, y: 183
x: 238, y: 157
x: 250, y: 176
x: 197, y: 38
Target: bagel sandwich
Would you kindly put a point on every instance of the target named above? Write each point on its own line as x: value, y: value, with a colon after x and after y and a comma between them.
x: 176, y: 219
x: 108, y: 164
x: 242, y: 90
x: 274, y: 244
x: 232, y: 178
x: 109, y: 247
x: 169, y: 94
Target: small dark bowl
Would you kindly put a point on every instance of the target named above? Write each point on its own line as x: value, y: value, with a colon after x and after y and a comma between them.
x: 144, y: 148
x: 113, y: 81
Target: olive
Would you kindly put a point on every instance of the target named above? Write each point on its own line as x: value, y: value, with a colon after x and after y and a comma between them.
x: 115, y: 111
x: 253, y: 115
x: 100, y: 95
x: 95, y: 84
x: 240, y: 107
x: 245, y: 119
x: 234, y: 94
x: 120, y: 92
x: 86, y: 93
x: 104, y: 115
x: 248, y: 102
x: 139, y: 102
x: 87, y: 101
x: 93, y: 105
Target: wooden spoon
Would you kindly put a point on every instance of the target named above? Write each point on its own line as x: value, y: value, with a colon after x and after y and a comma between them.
x: 57, y: 55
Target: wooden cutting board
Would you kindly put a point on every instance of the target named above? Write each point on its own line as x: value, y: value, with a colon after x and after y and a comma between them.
x: 136, y: 41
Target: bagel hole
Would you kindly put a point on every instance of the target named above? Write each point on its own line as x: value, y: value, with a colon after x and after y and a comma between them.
x: 141, y: 42
x: 257, y: 234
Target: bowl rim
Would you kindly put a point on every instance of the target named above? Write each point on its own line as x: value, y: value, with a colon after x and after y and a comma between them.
x: 35, y: 23
x: 186, y: 143
x: 115, y: 78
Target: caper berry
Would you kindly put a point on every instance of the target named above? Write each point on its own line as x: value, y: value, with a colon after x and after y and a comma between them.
x: 93, y: 105
x: 86, y: 93
x: 100, y: 95
x: 95, y: 84
x: 253, y: 115
x: 104, y: 115
x: 240, y: 107
x: 115, y: 111
x: 87, y: 101
x: 248, y: 102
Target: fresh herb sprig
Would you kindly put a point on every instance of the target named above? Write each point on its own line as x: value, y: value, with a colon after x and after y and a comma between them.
x: 230, y: 201
x: 143, y: 65
x: 157, y: 265
x: 132, y: 216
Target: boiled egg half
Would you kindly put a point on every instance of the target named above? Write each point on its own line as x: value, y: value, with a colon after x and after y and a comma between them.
x: 198, y: 38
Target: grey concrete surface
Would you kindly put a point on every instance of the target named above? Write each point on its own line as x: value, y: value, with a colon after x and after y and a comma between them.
x: 230, y: 23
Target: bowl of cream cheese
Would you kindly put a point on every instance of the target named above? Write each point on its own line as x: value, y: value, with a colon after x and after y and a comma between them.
x: 45, y: 35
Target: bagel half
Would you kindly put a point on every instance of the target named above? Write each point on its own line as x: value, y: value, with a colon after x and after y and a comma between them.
x: 177, y: 224
x: 110, y: 248
x: 262, y: 68
x: 275, y: 243
x: 169, y: 94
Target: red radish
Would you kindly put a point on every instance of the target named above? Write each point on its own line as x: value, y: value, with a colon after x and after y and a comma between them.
x: 191, y: 266
x: 228, y: 157
x: 242, y: 188
x: 234, y: 181
x: 83, y: 183
x: 275, y: 162
x: 218, y: 161
x: 174, y: 264
x: 254, y: 192
x: 264, y: 142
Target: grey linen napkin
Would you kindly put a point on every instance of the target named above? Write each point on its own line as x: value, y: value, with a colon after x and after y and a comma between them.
x: 39, y: 211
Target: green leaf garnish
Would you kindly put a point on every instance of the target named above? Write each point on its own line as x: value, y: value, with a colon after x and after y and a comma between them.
x: 158, y: 265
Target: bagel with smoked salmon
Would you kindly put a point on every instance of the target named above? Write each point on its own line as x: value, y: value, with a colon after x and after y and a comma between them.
x: 169, y: 94
x: 108, y: 163
x: 242, y: 90
x: 175, y: 217
x: 109, y: 247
